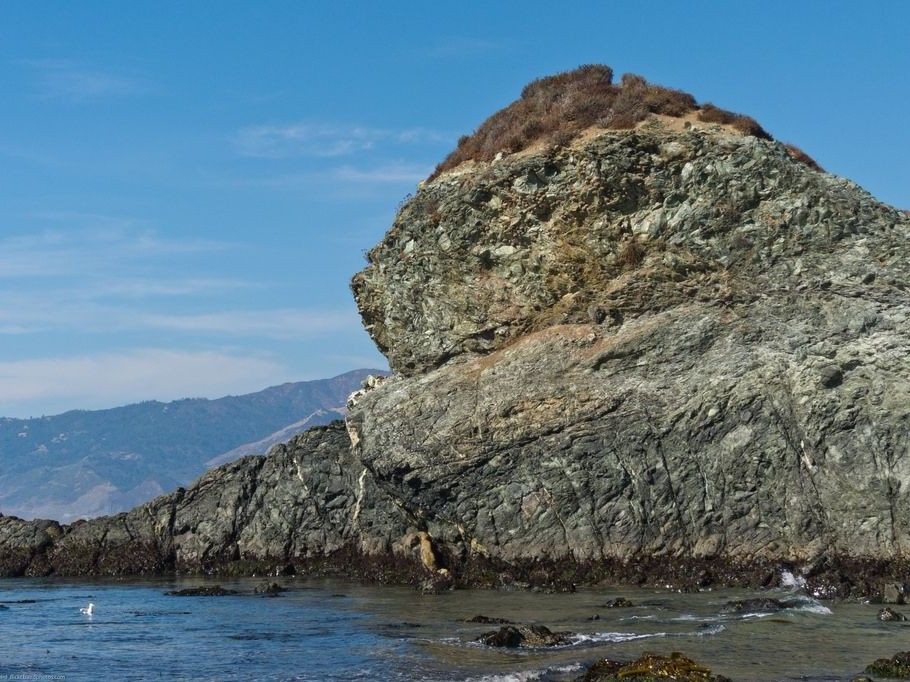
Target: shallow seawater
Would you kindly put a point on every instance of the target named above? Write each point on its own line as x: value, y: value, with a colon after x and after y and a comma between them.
x: 326, y: 630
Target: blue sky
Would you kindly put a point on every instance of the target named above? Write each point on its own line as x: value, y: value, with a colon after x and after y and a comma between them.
x: 188, y: 186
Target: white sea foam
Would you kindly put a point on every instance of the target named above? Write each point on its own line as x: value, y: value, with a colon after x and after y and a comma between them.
x: 598, y: 637
x: 529, y: 675
x: 789, y: 579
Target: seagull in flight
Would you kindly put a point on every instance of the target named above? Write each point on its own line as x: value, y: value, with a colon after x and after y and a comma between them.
x: 87, y: 610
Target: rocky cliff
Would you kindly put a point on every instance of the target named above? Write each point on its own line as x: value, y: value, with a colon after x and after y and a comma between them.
x: 674, y: 350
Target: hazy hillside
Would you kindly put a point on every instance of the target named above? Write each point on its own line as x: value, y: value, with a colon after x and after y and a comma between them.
x: 86, y: 463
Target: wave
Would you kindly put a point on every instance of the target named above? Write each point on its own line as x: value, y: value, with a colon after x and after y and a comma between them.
x: 790, y: 579
x: 529, y: 675
x: 600, y: 637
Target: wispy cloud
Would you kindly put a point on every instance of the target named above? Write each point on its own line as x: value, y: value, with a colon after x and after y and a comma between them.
x: 113, y: 280
x: 322, y: 140
x: 389, y: 173
x: 381, y: 174
x: 59, y: 253
x: 107, y: 379
x: 64, y: 79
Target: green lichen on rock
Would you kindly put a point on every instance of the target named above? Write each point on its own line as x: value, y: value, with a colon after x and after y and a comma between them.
x: 651, y: 668
x: 896, y: 668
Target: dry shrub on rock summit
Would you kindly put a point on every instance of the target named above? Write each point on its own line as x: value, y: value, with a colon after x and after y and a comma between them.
x: 556, y: 108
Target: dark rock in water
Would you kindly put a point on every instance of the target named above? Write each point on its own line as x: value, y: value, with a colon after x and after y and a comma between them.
x: 511, y: 636
x: 269, y: 589
x: 617, y: 603
x: 205, y: 591
x: 486, y: 620
x: 755, y: 605
x: 887, y: 614
x: 897, y: 667
x: 651, y: 667
x: 596, y: 616
x: 507, y: 636
x: 404, y: 625
x: 3, y: 607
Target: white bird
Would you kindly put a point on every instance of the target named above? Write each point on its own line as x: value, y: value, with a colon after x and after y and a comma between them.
x: 87, y: 610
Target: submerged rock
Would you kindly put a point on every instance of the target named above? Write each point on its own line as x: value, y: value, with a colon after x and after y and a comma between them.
x: 269, y: 589
x: 897, y: 667
x: 512, y: 636
x: 204, y: 591
x: 650, y: 667
x: 755, y: 605
x: 618, y: 603
x: 486, y: 620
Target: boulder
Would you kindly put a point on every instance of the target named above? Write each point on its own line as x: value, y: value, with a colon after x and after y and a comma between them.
x: 649, y: 668
x: 895, y: 668
x: 512, y: 636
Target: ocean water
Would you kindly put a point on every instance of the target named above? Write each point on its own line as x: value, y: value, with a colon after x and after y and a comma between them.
x: 326, y: 630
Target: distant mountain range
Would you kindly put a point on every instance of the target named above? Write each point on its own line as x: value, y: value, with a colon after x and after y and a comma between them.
x: 86, y: 463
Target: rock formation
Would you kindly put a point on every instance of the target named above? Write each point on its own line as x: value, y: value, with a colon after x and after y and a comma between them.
x: 676, y: 346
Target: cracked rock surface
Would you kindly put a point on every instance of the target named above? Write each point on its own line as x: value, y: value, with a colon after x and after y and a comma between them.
x: 668, y: 344
x: 652, y: 343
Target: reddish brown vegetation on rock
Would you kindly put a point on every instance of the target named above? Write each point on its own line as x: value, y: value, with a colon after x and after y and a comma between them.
x: 556, y: 108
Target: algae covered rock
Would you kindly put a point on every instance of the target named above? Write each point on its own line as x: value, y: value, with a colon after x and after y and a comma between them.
x: 897, y: 667
x: 651, y: 667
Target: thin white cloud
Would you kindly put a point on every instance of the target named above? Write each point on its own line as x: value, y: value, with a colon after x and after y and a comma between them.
x: 91, y: 381
x: 130, y: 287
x: 389, y: 173
x: 64, y: 79
x: 57, y: 253
x: 322, y: 140
x: 381, y: 174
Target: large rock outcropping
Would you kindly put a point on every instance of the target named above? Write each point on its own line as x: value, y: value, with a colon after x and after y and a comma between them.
x: 676, y: 345
x: 670, y: 342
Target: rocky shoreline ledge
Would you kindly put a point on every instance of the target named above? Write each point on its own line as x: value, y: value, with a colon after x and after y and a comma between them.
x: 323, y: 536
x: 670, y: 354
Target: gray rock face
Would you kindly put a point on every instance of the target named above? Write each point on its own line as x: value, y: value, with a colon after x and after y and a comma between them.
x: 306, y: 500
x: 668, y: 345
x: 657, y: 343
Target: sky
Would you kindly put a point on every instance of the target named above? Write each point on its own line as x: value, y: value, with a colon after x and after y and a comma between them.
x: 189, y: 186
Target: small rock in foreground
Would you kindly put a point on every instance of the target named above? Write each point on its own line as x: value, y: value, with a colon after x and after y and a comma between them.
x: 511, y: 637
x: 213, y: 591
x: 651, y: 667
x: 896, y: 668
